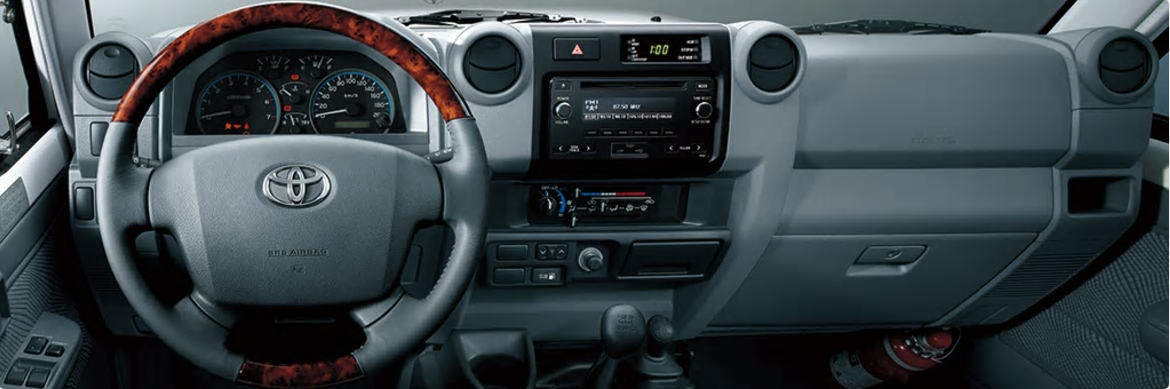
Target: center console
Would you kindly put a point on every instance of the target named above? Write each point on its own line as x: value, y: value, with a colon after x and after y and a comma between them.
x: 628, y: 123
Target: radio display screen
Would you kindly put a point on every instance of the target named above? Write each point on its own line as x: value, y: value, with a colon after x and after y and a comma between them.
x: 662, y: 48
x: 630, y: 104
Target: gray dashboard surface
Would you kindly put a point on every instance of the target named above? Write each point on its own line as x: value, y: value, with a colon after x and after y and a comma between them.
x: 966, y: 145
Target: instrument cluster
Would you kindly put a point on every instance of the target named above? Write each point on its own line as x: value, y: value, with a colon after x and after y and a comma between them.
x: 295, y: 92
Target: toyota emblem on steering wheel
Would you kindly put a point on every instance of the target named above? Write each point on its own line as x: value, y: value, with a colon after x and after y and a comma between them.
x: 296, y: 185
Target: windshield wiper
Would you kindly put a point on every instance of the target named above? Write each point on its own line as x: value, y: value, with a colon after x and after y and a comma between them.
x: 871, y: 26
x: 457, y: 17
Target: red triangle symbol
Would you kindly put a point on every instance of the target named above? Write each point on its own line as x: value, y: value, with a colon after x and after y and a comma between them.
x: 577, y: 50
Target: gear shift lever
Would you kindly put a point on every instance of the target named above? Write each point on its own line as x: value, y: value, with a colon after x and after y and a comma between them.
x: 660, y: 333
x: 656, y: 367
x: 622, y: 330
x: 622, y: 333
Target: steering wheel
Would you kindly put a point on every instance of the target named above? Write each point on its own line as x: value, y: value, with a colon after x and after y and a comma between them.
x: 294, y: 222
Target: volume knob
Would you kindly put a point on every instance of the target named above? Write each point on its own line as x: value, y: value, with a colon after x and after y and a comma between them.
x: 563, y: 110
x: 591, y: 259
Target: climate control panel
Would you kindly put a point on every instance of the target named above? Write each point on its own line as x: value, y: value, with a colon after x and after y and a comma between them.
x: 573, y: 205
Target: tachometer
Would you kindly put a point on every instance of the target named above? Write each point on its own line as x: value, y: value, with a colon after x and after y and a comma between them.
x: 238, y: 103
x: 351, y: 102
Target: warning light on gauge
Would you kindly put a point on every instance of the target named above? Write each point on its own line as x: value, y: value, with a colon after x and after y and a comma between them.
x: 287, y: 108
x: 295, y: 77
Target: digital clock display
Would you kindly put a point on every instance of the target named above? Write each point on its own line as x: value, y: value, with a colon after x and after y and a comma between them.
x: 662, y: 48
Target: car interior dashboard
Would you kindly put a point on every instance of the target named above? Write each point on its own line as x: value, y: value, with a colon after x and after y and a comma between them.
x: 739, y: 178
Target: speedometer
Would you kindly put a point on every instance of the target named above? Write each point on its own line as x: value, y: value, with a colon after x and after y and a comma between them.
x: 351, y: 102
x: 238, y: 103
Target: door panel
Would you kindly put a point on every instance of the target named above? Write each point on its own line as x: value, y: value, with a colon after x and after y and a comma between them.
x: 37, y: 257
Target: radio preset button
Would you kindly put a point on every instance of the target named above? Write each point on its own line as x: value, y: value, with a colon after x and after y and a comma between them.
x: 704, y: 110
x: 563, y: 110
x: 619, y: 116
x: 591, y: 132
x: 623, y: 133
x: 639, y: 132
x: 669, y: 133
x: 607, y: 132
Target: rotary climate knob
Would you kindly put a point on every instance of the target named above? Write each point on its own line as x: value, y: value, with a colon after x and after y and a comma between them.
x: 549, y: 204
x: 591, y: 259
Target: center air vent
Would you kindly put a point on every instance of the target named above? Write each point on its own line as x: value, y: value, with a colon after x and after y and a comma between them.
x: 492, y: 64
x: 110, y: 70
x: 1124, y: 66
x: 772, y: 63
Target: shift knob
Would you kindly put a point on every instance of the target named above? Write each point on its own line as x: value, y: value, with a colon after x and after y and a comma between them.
x: 623, y: 329
x: 661, y: 334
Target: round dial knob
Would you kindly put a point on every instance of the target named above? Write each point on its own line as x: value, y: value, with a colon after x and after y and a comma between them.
x: 549, y: 205
x: 563, y: 110
x: 703, y: 110
x: 591, y: 259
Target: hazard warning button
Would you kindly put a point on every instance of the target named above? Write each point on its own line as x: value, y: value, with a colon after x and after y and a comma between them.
x: 579, y: 49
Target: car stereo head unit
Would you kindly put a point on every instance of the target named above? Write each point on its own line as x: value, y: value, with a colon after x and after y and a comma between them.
x: 630, y: 100
x: 652, y: 118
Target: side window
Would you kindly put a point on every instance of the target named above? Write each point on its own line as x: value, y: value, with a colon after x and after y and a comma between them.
x: 14, y: 97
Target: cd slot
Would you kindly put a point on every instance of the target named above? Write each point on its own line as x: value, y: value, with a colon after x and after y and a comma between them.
x: 641, y: 85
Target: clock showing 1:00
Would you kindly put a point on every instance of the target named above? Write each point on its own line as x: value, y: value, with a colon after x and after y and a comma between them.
x: 662, y: 48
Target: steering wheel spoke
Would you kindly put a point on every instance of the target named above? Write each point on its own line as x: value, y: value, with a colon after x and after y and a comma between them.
x: 122, y: 189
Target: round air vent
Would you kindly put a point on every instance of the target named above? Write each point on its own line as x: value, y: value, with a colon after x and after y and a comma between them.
x: 772, y: 63
x: 492, y: 64
x: 1124, y: 66
x: 110, y: 70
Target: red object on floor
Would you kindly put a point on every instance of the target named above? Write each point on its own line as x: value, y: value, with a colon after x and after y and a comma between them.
x: 894, y: 357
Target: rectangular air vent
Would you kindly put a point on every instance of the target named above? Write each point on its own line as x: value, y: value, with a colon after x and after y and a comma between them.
x: 1039, y: 275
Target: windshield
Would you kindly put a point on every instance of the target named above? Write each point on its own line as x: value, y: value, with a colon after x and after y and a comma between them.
x: 148, y: 17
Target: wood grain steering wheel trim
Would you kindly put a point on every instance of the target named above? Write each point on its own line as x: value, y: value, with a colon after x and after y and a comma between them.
x: 304, y: 375
x: 202, y: 38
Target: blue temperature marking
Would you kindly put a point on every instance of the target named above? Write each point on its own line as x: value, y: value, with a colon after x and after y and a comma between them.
x: 562, y: 196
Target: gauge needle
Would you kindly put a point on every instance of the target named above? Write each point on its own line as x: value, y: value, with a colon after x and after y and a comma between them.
x: 333, y: 112
x: 211, y: 115
x: 282, y: 90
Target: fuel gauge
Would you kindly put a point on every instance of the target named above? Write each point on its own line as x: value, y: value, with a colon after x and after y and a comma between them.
x: 316, y: 66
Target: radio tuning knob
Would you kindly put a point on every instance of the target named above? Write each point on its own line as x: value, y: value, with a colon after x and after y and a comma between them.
x: 563, y: 110
x: 591, y: 259
x: 703, y: 110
